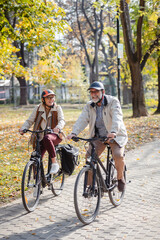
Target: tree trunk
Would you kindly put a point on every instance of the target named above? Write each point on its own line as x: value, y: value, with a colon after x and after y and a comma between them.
x: 23, y: 85
x: 158, y: 108
x: 23, y: 90
x: 127, y: 95
x: 138, y: 101
x: 134, y: 58
x: 92, y: 75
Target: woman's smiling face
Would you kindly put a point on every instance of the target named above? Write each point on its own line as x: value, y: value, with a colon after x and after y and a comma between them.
x: 50, y: 100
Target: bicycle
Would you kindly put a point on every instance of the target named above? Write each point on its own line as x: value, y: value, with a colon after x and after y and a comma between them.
x: 34, y: 178
x: 93, y: 180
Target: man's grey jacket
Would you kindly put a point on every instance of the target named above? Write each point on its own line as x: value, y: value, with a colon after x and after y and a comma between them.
x: 112, y: 117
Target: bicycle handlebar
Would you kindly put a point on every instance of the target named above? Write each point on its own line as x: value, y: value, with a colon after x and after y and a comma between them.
x: 103, y: 139
x: 38, y: 131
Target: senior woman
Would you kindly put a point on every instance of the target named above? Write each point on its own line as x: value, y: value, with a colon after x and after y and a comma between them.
x: 47, y: 115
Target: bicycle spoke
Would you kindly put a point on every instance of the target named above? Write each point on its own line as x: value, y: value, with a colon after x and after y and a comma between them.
x: 115, y: 196
x: 57, y: 180
x: 30, y: 190
x: 86, y: 201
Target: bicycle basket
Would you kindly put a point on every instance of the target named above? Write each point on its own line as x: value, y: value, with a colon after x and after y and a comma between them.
x: 69, y: 158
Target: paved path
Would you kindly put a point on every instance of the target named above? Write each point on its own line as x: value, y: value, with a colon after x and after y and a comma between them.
x: 137, y: 218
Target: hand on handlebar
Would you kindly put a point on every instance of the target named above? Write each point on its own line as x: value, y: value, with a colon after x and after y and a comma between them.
x: 70, y: 136
x: 49, y: 130
x: 21, y: 131
x: 75, y: 138
x: 56, y: 130
x: 110, y: 137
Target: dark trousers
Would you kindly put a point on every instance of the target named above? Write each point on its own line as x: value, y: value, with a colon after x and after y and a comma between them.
x: 48, y: 144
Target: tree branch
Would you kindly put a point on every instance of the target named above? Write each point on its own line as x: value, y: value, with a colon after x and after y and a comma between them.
x: 82, y: 38
x: 127, y: 33
x: 139, y: 30
x: 101, y: 28
x: 77, y: 36
x: 100, y: 34
x: 155, y: 44
x: 112, y: 40
x: 20, y: 53
x: 105, y: 55
x: 84, y: 12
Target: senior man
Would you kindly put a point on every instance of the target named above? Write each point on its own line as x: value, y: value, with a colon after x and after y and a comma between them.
x: 104, y: 115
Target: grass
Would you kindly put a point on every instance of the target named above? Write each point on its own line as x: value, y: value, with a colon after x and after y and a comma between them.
x: 14, y: 152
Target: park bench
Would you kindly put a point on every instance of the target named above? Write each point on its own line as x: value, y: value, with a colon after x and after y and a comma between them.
x: 2, y: 97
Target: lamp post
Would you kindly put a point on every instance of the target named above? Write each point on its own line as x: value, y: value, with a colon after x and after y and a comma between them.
x: 96, y: 44
x: 13, y: 90
x: 118, y: 59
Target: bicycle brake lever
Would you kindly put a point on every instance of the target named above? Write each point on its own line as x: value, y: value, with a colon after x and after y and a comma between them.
x: 49, y: 130
x: 104, y: 139
x: 75, y: 139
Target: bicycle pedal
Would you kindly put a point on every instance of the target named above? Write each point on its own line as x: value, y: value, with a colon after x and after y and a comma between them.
x: 47, y: 175
x: 85, y: 195
x: 41, y: 191
x: 102, y: 193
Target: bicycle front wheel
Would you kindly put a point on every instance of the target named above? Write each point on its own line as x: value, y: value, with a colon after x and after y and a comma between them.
x: 57, y: 180
x: 30, y: 187
x: 115, y: 195
x: 86, y: 200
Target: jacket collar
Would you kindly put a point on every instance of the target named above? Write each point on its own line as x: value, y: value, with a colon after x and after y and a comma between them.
x: 105, y: 102
x: 42, y: 108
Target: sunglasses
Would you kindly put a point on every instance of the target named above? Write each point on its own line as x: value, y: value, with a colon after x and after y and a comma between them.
x: 94, y: 92
x: 50, y: 98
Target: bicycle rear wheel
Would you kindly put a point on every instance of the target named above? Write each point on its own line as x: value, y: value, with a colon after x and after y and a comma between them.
x: 57, y: 180
x: 86, y: 201
x: 115, y: 195
x: 29, y: 189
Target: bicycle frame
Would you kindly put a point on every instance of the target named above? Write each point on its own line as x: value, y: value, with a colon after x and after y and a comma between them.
x: 45, y: 178
x: 40, y: 163
x: 38, y: 160
x: 94, y: 163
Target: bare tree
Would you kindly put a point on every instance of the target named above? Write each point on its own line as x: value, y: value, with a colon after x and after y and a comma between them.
x: 87, y: 36
x: 86, y: 13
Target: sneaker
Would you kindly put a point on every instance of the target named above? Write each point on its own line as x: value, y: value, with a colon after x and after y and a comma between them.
x: 54, y: 168
x: 121, y: 185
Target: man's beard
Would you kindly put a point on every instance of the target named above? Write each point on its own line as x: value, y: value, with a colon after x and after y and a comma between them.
x: 96, y: 100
